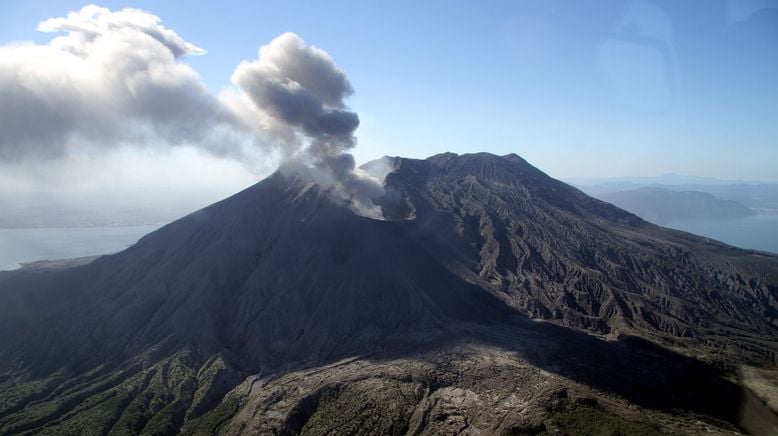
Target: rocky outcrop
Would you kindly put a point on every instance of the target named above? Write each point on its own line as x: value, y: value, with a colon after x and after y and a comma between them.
x: 283, y: 280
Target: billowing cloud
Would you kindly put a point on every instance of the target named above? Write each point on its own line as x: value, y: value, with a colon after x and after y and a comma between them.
x: 88, y: 25
x: 301, y: 88
x: 349, y: 183
x: 115, y: 79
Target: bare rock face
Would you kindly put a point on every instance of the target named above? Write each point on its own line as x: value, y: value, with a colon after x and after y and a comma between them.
x: 492, y: 299
x: 469, y: 389
x: 554, y: 253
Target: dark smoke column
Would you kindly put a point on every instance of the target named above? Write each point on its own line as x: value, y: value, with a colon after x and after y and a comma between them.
x: 302, y: 92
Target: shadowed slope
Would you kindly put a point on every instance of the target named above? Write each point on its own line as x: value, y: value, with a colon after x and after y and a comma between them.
x: 274, y: 275
x: 555, y: 253
x: 282, y: 276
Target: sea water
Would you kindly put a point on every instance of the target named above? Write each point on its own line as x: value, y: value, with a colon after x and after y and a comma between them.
x: 758, y: 232
x: 31, y: 244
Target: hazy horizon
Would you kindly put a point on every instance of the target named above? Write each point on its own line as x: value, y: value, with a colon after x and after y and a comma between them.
x: 137, y: 112
x: 611, y: 89
x: 569, y: 226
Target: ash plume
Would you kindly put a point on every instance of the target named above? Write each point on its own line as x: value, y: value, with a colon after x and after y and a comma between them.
x: 303, y: 92
x: 113, y: 79
x: 116, y: 79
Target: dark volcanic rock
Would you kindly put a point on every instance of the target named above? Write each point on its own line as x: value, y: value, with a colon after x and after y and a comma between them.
x: 555, y: 253
x: 282, y: 277
x: 275, y: 275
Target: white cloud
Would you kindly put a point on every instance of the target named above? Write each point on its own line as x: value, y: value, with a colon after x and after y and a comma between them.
x: 113, y: 86
x: 114, y: 79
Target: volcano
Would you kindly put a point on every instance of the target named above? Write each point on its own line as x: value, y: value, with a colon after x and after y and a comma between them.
x: 491, y: 299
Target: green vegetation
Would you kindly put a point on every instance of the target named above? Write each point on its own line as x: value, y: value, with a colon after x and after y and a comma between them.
x: 592, y: 420
x: 369, y: 406
x: 13, y: 395
x: 152, y: 401
x: 209, y: 423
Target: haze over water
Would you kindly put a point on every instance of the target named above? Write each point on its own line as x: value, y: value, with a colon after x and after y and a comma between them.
x: 27, y: 245
x: 758, y: 232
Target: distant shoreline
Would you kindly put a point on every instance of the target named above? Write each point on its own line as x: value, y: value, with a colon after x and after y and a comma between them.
x: 35, y: 247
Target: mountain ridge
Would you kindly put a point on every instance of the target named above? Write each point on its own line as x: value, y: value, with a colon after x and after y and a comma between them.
x: 284, y: 276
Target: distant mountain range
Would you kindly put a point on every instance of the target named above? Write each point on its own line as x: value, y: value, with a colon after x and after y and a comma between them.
x: 491, y: 299
x: 663, y: 206
x: 755, y: 195
x: 665, y: 179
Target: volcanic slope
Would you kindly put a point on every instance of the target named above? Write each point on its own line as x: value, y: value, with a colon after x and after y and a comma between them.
x: 205, y: 324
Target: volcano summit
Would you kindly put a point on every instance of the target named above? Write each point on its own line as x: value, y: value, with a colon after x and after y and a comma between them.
x: 490, y: 299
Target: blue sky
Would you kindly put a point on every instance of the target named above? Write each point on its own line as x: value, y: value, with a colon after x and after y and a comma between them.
x: 580, y: 89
